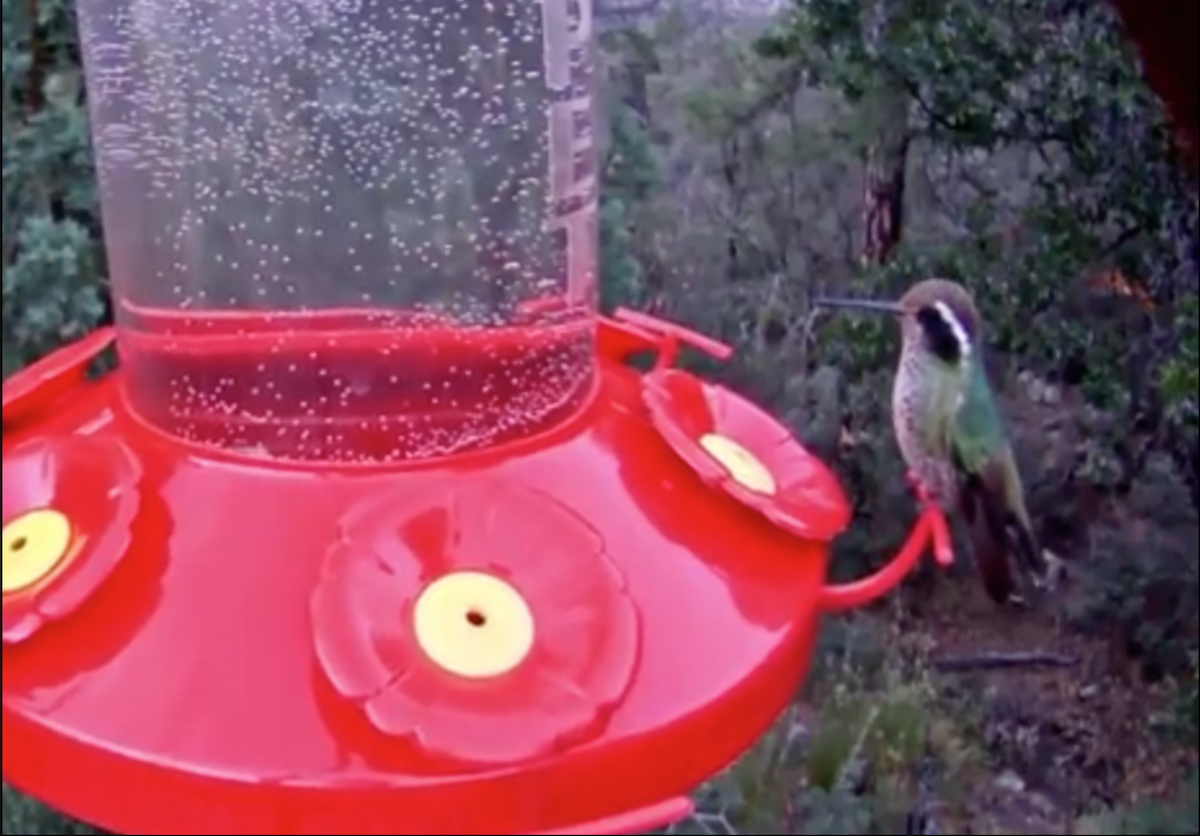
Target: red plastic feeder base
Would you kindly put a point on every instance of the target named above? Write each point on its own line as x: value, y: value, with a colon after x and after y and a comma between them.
x: 565, y: 633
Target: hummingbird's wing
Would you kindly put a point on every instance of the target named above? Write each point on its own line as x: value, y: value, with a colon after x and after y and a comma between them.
x: 990, y: 492
x: 988, y: 539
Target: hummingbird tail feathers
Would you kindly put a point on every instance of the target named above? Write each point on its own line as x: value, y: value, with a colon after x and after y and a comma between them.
x: 989, y: 545
x: 1001, y: 534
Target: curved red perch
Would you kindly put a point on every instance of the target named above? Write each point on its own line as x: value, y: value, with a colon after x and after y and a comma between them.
x: 930, y: 533
x: 669, y: 337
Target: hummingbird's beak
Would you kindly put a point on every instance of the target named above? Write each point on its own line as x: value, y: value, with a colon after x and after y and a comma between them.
x: 860, y: 305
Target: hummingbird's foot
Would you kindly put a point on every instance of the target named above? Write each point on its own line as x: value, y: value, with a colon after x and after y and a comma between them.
x: 1055, y: 571
x: 1044, y: 579
x: 920, y: 491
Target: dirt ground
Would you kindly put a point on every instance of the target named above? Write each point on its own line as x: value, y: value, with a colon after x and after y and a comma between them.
x: 1069, y: 725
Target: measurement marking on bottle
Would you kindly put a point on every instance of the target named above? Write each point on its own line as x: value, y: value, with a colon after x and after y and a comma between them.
x: 567, y: 28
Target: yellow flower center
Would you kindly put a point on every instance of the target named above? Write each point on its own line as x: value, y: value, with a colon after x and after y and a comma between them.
x: 35, y: 544
x: 742, y: 465
x: 473, y: 625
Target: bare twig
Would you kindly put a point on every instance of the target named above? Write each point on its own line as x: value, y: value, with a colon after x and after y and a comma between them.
x: 1002, y: 661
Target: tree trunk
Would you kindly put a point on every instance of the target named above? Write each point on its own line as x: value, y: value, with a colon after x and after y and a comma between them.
x: 883, y: 193
x: 731, y: 169
x: 887, y: 109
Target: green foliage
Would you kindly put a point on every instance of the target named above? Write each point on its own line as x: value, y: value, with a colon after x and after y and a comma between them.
x: 1181, y: 380
x: 986, y: 76
x: 630, y: 178
x: 1189, y: 701
x: 843, y: 763
x: 887, y: 732
x: 50, y: 292
x: 53, y: 261
x: 1180, y: 817
x: 24, y: 816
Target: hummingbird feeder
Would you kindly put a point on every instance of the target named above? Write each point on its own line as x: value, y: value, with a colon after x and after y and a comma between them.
x: 375, y: 528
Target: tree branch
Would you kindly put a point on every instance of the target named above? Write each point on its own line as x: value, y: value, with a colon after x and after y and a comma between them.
x: 1001, y: 661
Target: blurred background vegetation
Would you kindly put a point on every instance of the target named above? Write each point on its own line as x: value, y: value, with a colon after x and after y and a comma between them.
x: 757, y: 155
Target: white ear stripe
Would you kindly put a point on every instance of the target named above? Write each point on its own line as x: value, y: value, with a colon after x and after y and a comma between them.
x: 956, y: 327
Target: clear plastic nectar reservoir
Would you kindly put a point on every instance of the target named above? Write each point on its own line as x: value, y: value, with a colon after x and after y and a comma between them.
x: 356, y: 230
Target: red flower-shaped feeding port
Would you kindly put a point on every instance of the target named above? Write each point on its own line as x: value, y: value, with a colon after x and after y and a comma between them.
x: 482, y: 620
x: 69, y: 505
x: 737, y: 447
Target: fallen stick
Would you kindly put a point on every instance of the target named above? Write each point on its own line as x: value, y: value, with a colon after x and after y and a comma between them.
x: 1001, y: 661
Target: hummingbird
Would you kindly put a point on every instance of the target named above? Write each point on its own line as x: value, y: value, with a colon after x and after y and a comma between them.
x: 951, y: 433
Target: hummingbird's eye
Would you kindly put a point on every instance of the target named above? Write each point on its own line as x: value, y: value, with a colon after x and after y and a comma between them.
x: 945, y: 336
